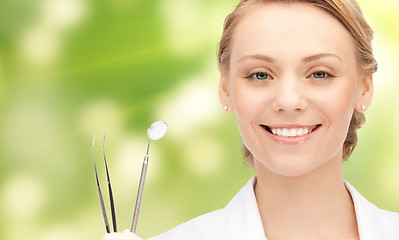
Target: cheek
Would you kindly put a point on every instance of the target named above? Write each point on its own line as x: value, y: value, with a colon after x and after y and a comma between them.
x: 338, y: 103
x: 249, y: 102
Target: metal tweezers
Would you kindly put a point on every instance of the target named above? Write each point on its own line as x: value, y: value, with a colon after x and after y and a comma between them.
x: 111, y: 196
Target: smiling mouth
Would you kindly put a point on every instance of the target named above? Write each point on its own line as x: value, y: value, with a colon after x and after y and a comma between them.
x: 291, y: 131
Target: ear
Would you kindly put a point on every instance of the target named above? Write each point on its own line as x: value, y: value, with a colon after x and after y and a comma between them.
x: 225, y: 91
x: 366, y: 94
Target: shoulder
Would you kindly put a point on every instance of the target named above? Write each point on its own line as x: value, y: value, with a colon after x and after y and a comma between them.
x: 373, y: 222
x: 387, y: 223
x: 240, y: 219
x: 196, y: 228
x: 389, y: 220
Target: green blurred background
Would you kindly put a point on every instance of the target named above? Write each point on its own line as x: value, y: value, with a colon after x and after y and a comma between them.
x: 72, y: 67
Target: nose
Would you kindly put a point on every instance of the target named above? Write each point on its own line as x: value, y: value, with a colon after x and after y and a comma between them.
x: 289, y: 96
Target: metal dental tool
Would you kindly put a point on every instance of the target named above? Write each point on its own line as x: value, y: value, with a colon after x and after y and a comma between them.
x: 100, y: 195
x: 156, y: 131
x: 111, y: 195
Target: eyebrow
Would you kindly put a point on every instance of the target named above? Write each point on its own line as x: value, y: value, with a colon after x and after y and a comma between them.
x: 304, y: 60
x: 321, y: 55
x: 257, y: 57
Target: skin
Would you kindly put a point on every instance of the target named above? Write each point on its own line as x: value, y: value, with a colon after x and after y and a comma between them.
x: 294, y: 66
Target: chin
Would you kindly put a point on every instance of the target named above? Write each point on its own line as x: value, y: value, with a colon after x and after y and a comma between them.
x: 287, y: 167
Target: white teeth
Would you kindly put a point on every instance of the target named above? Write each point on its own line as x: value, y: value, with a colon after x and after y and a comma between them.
x: 300, y: 132
x: 291, y: 132
x: 285, y: 132
x: 279, y: 131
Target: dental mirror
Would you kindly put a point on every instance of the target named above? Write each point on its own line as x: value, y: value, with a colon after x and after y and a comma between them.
x: 156, y: 131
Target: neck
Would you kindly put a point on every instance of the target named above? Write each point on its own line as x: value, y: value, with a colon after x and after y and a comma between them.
x: 314, y: 206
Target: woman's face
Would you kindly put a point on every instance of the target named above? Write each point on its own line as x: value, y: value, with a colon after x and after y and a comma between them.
x: 293, y: 82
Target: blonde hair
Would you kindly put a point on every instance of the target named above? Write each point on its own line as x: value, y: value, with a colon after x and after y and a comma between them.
x: 349, y: 14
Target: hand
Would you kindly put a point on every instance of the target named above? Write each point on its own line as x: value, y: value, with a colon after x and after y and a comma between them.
x: 125, y: 235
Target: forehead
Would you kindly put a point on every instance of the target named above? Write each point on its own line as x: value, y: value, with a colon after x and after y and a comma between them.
x: 287, y: 32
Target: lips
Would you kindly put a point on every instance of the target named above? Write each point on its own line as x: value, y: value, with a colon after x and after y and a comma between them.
x: 291, y: 131
x: 291, y: 134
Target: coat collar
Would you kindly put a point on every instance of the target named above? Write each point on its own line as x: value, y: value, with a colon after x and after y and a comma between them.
x: 372, y: 222
x: 243, y: 213
x: 242, y: 216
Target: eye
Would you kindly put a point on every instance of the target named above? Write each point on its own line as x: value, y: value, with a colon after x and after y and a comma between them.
x: 261, y: 76
x: 321, y: 75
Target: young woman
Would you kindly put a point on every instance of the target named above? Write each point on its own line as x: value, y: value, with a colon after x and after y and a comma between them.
x: 298, y: 75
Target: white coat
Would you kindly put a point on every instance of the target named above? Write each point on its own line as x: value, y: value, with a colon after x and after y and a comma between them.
x: 240, y: 220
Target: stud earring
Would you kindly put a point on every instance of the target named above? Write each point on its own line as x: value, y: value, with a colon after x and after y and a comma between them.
x: 225, y: 107
x: 363, y: 107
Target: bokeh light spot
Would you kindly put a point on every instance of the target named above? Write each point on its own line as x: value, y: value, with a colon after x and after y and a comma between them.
x: 23, y: 197
x: 40, y: 46
x: 129, y: 157
x: 102, y: 116
x: 204, y: 156
x: 63, y: 14
x: 193, y: 104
